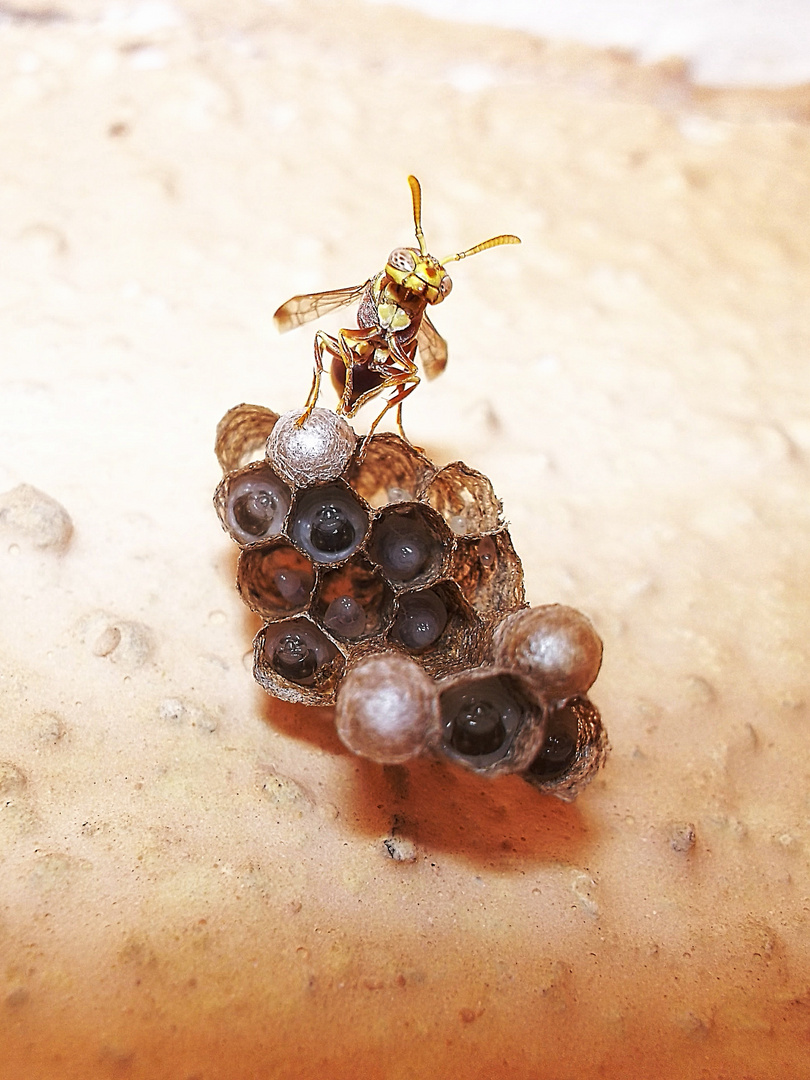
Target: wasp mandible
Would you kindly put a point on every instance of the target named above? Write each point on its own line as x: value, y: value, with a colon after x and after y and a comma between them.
x: 392, y: 323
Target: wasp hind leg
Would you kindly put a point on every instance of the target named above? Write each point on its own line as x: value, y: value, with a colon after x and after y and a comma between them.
x: 404, y: 382
x: 400, y: 428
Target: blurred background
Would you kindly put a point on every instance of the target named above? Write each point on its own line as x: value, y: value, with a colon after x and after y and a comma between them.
x: 722, y: 42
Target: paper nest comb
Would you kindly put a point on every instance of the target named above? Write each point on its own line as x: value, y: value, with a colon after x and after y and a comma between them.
x: 391, y: 588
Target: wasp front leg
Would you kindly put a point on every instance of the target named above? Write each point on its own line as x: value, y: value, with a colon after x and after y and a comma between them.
x: 350, y: 347
x: 340, y: 350
x: 323, y: 343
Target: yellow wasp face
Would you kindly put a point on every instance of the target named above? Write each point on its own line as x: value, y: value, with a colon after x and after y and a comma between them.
x: 419, y: 273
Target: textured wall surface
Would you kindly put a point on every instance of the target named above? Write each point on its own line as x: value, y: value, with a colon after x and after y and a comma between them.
x: 724, y: 42
x: 194, y: 876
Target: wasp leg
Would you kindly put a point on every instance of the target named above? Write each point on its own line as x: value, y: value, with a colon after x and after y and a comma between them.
x: 403, y: 382
x: 323, y: 344
x: 404, y: 389
x: 394, y: 368
x: 356, y: 347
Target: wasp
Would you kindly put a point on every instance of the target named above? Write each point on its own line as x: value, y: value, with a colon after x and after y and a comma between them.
x: 379, y: 355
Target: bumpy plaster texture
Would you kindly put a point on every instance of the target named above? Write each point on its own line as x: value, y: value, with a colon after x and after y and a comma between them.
x: 198, y: 880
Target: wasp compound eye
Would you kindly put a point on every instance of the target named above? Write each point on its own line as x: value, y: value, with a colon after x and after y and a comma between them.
x: 329, y: 523
x: 253, y: 504
x: 421, y: 620
x: 402, y: 259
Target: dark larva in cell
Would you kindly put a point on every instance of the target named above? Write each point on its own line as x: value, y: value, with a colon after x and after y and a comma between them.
x: 329, y: 523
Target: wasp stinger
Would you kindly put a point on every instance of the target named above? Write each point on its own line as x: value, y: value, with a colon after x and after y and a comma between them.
x: 392, y: 323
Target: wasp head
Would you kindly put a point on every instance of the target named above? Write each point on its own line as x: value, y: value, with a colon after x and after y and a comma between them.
x: 419, y: 273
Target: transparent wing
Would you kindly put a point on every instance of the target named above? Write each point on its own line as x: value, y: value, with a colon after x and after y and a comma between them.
x: 303, y: 309
x: 432, y: 349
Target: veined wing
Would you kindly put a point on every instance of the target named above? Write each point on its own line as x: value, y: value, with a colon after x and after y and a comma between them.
x: 303, y: 309
x: 432, y: 349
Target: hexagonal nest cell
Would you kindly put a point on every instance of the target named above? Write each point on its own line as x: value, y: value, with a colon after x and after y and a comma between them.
x: 389, y: 554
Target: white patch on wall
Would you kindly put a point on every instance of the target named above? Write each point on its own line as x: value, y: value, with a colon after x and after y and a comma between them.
x: 725, y: 42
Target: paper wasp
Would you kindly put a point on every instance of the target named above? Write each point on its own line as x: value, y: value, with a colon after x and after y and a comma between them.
x: 392, y: 323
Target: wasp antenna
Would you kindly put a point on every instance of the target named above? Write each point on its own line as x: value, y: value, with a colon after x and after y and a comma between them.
x: 496, y: 241
x: 416, y: 195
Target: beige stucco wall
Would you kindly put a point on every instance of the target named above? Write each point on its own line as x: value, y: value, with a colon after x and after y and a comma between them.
x: 194, y: 881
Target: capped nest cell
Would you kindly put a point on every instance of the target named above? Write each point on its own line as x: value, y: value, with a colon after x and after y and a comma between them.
x: 390, y: 587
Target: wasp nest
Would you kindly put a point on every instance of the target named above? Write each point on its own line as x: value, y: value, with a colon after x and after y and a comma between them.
x: 391, y: 587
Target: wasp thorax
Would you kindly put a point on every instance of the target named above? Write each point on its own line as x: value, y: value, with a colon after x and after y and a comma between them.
x: 328, y: 523
x: 253, y: 504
